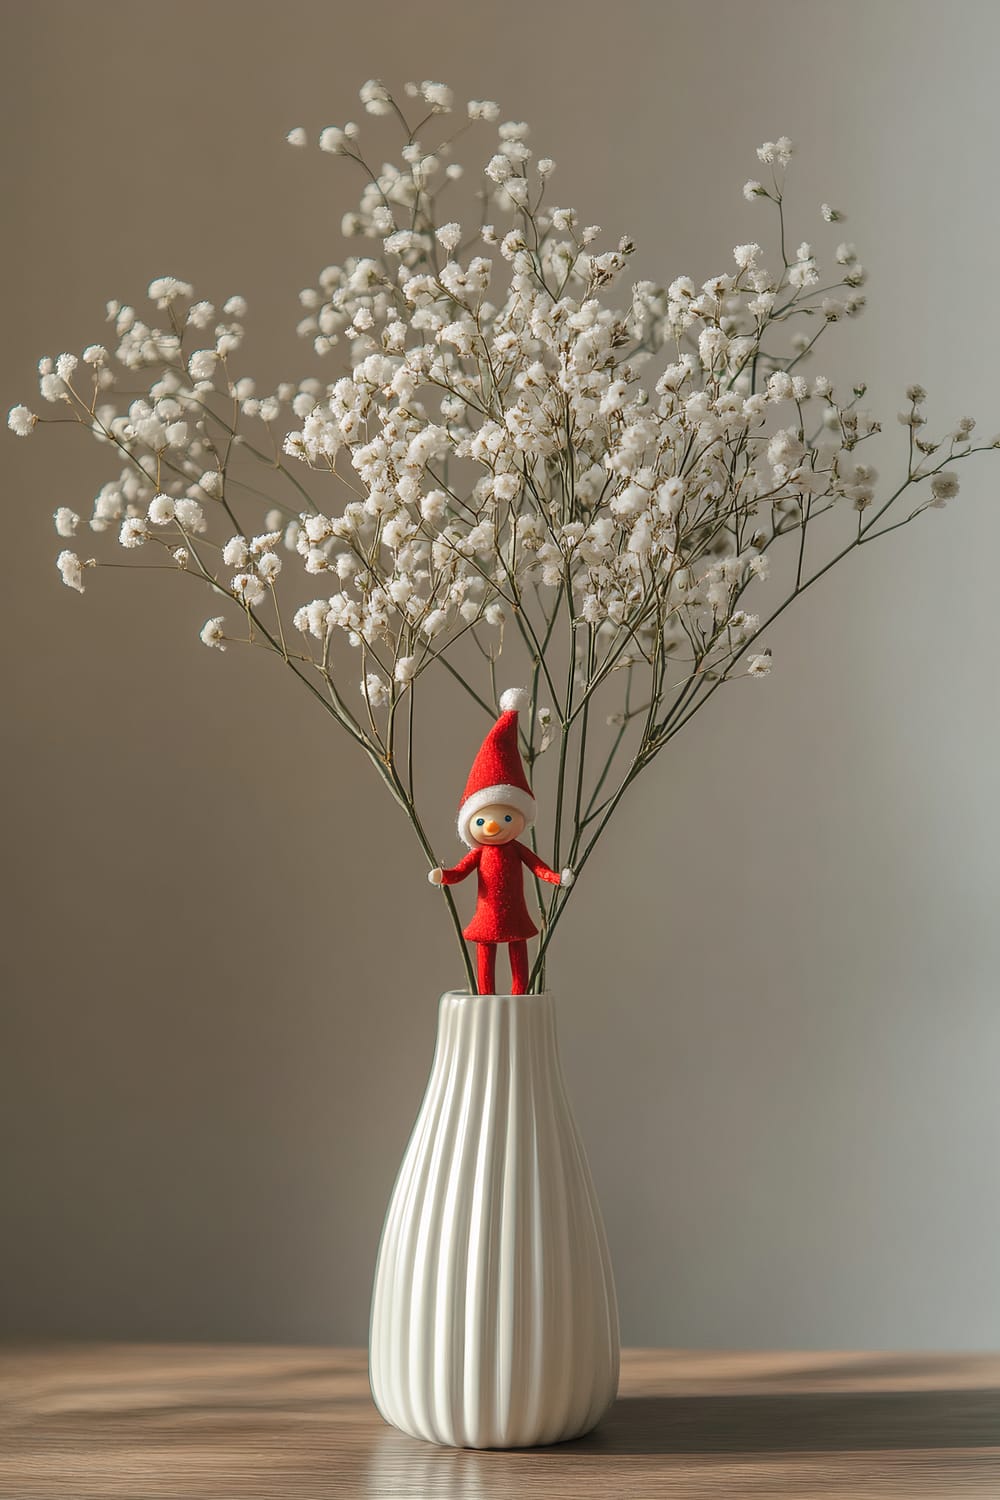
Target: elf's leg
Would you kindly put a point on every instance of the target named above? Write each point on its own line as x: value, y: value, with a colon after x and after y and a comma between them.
x: 487, y: 957
x: 518, y: 967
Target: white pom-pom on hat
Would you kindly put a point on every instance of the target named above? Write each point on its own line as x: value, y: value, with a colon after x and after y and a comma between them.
x: 514, y: 700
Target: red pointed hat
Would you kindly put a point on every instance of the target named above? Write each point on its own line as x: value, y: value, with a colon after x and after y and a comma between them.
x: 497, y: 774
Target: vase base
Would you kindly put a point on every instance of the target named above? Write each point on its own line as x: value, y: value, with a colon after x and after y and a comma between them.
x: 495, y: 1442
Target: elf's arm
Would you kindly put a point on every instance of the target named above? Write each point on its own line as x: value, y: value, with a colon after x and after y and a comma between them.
x: 540, y: 869
x: 458, y: 872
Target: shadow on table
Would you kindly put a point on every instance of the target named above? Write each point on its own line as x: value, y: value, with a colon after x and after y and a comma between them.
x: 832, y: 1421
x: 817, y: 1422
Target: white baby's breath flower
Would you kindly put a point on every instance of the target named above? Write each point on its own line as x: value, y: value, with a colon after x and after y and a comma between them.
x: 212, y: 633
x: 235, y: 552
x: 71, y: 569
x: 405, y: 668
x: 670, y: 496
x: 944, y: 487
x: 200, y: 314
x: 785, y: 447
x: 759, y: 665
x: 248, y: 589
x: 746, y: 256
x: 804, y: 273
x: 313, y: 618
x: 66, y: 521
x: 438, y: 95
x: 506, y: 487
x: 433, y: 505
x: 108, y: 505
x: 21, y: 421
x: 267, y: 540
x: 201, y: 365
x: 449, y: 235
x: 296, y: 136
x: 95, y: 354
x: 375, y: 97
x: 317, y: 528
x: 435, y: 622
x: 376, y: 690
x: 211, y: 483
x: 52, y: 388
x: 161, y: 510
x: 166, y: 289
x: 133, y: 532
x: 189, y: 514
x: 712, y: 346
x: 782, y: 151
x: 499, y: 168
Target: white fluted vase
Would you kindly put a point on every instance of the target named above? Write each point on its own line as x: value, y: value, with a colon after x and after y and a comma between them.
x: 494, y: 1322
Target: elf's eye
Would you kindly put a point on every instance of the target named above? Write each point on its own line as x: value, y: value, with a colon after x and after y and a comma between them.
x: 507, y: 818
x: 480, y: 822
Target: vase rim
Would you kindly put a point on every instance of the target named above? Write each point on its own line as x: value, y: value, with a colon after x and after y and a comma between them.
x: 468, y: 995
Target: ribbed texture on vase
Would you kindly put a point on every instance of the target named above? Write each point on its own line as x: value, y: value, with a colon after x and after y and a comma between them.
x: 494, y: 1322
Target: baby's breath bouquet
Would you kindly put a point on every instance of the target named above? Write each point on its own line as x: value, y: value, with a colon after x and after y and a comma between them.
x: 508, y: 463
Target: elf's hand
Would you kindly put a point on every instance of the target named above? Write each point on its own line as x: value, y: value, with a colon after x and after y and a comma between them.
x: 436, y: 876
x: 567, y: 877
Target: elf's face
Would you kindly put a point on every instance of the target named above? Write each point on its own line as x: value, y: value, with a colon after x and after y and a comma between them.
x: 496, y: 825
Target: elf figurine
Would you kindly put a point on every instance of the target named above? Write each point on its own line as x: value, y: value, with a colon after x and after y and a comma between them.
x: 497, y: 807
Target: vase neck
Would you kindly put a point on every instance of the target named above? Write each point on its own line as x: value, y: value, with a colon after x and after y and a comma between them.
x: 482, y: 1030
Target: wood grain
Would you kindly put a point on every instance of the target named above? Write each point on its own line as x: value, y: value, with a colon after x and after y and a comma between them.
x: 101, y: 1422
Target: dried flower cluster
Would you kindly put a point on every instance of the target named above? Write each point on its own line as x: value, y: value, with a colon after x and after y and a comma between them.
x: 524, y: 465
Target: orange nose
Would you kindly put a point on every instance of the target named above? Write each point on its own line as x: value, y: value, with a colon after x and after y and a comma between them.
x: 492, y: 827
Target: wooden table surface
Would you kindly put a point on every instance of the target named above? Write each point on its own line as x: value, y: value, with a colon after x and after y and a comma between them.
x: 244, y: 1421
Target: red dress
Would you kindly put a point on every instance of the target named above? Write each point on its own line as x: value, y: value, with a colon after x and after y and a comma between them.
x: 501, y: 914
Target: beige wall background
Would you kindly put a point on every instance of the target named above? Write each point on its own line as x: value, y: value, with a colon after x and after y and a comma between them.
x: 778, y: 986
